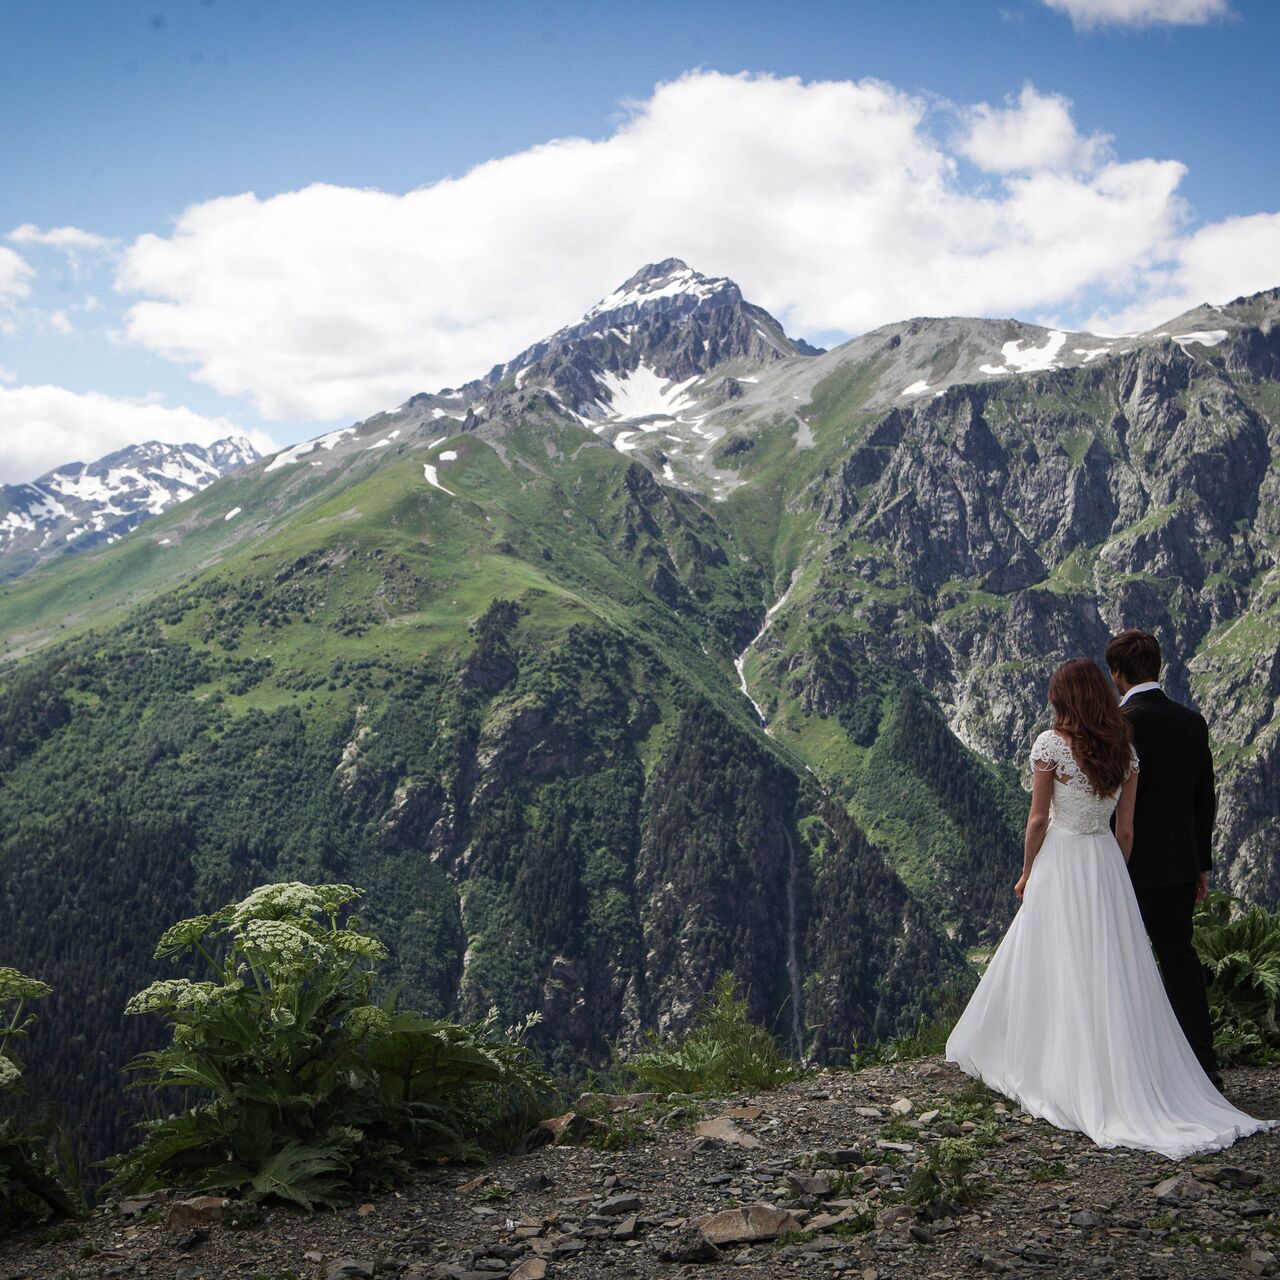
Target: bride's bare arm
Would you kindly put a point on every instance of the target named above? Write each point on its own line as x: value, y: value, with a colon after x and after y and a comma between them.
x: 1037, y: 823
x: 1124, y: 815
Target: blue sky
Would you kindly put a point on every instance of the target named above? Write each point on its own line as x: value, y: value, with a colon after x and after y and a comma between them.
x: 133, y: 123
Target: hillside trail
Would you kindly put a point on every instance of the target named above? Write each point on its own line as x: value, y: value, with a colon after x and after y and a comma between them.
x: 810, y: 1179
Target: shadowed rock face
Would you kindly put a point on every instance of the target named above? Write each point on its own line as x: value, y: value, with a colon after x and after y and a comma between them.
x: 1008, y: 526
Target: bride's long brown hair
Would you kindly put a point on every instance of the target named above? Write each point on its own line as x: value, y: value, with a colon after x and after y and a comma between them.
x: 1085, y: 710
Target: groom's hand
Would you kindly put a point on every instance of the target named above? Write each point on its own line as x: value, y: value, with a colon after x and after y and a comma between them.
x: 1202, y: 887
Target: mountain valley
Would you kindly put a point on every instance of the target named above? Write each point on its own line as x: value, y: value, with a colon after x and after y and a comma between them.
x: 672, y: 646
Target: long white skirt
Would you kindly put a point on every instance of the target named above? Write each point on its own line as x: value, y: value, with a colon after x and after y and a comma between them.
x: 1072, y: 1020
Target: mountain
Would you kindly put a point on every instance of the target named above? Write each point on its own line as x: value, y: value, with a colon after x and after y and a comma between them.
x: 671, y: 646
x: 80, y: 505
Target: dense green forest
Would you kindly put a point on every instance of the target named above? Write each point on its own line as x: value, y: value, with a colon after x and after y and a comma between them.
x: 563, y: 827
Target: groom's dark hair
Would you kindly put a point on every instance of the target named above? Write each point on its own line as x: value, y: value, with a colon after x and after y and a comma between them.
x: 1134, y: 655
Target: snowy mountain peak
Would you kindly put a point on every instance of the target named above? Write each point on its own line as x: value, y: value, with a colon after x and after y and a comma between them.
x: 671, y: 279
x: 81, y: 505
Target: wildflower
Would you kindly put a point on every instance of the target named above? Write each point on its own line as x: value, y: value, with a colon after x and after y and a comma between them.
x: 356, y: 944
x: 10, y: 1073
x: 17, y: 986
x: 276, y: 902
x: 334, y: 896
x: 172, y: 994
x: 367, y: 1019
x: 278, y: 940
x: 183, y: 935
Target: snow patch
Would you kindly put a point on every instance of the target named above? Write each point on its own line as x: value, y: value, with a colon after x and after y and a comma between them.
x: 433, y: 478
x: 449, y: 455
x: 684, y: 281
x: 644, y: 393
x: 300, y: 451
x: 916, y: 388
x: 1205, y: 337
x: 1033, y: 359
x: 1091, y: 353
x: 386, y: 440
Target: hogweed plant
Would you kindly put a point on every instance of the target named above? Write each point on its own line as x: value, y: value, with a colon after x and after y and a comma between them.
x: 35, y: 1181
x: 299, y: 1084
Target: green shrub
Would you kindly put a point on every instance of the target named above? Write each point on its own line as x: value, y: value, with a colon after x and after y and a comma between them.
x: 1242, y: 956
x: 723, y: 1052
x: 944, y: 1174
x: 36, y: 1173
x: 299, y: 1085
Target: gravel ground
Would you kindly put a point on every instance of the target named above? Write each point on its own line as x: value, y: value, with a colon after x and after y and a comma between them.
x: 825, y: 1160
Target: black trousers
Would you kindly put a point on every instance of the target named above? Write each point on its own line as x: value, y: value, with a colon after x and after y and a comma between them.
x: 1166, y: 912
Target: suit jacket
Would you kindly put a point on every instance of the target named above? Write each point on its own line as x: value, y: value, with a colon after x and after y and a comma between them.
x: 1176, y: 801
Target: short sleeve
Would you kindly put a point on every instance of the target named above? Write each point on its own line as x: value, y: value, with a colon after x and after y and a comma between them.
x: 1045, y: 755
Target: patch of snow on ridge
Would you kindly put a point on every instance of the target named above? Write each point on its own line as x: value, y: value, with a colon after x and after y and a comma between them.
x: 644, y: 393
x: 300, y: 451
x: 231, y: 515
x: 1091, y: 353
x: 685, y: 280
x: 1205, y: 337
x: 449, y: 455
x: 433, y: 478
x: 916, y: 389
x: 1032, y: 360
x: 386, y: 440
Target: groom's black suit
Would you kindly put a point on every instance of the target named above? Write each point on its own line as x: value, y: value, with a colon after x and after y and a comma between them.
x: 1172, y: 845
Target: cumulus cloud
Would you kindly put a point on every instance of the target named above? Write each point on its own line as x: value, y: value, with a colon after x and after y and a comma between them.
x: 1215, y: 264
x: 835, y: 204
x: 42, y: 427
x: 1035, y: 132
x: 15, y: 272
x: 1086, y: 14
x: 71, y: 239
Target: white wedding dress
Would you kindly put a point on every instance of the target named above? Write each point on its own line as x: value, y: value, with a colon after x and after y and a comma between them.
x: 1071, y: 1018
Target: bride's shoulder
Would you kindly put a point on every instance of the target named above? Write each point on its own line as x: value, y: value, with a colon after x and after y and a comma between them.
x: 1049, y: 750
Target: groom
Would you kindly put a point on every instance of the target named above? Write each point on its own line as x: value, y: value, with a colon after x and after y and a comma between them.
x: 1172, y: 828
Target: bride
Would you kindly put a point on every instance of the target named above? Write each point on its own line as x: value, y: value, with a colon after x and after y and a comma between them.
x: 1071, y: 1017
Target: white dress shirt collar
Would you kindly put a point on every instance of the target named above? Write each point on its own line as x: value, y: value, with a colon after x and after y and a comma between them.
x: 1145, y: 687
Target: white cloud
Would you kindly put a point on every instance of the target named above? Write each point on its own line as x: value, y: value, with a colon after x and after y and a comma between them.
x: 1215, y: 264
x: 60, y: 323
x: 1035, y: 132
x: 834, y: 204
x: 14, y: 274
x: 1086, y: 14
x: 43, y: 427
x: 71, y: 239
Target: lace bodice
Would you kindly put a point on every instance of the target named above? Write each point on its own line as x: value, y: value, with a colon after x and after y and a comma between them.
x: 1076, y: 805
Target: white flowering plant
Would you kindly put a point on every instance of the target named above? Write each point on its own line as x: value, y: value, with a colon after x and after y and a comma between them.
x: 35, y: 1183
x: 298, y: 1083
